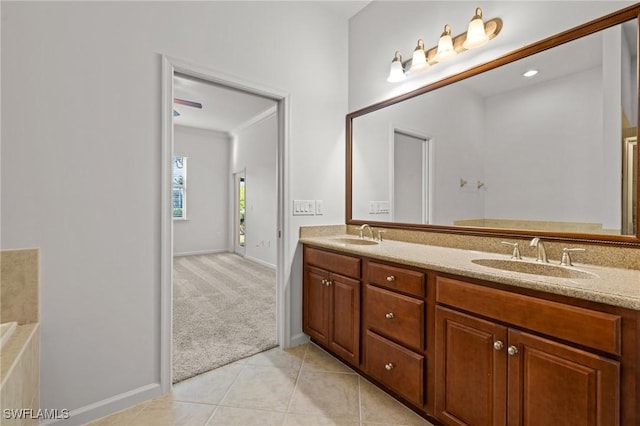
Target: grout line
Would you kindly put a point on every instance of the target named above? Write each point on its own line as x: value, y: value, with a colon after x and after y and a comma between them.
x: 359, y: 400
x: 295, y: 386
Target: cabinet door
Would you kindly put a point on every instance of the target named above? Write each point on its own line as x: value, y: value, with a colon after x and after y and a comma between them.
x: 316, y: 304
x: 554, y: 384
x: 470, y: 370
x: 344, y: 337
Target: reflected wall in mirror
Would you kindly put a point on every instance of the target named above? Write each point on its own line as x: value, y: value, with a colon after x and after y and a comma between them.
x: 502, y: 151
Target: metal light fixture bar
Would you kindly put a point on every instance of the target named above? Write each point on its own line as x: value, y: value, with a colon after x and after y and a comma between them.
x: 492, y: 28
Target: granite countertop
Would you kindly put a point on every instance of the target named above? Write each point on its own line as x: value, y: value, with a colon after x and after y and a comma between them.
x: 612, y: 286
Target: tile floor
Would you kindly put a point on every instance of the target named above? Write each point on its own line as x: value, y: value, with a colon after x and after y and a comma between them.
x: 297, y: 386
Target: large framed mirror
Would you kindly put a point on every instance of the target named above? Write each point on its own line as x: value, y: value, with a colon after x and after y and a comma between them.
x: 491, y: 152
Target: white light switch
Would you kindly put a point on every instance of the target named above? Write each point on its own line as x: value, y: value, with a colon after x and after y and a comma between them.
x: 304, y: 207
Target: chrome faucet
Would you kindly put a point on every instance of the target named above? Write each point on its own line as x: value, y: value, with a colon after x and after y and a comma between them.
x: 363, y: 227
x: 542, y: 253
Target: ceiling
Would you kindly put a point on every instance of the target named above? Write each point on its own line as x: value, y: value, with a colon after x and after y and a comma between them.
x: 223, y: 109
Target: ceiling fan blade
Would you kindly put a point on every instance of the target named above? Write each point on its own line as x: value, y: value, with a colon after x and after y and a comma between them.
x: 187, y: 103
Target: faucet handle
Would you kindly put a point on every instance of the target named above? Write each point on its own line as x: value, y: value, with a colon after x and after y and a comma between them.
x: 566, y: 257
x: 516, y: 249
x: 380, y: 232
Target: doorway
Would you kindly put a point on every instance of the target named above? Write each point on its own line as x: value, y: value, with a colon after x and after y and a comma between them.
x: 170, y: 67
x: 410, y: 177
x: 239, y: 210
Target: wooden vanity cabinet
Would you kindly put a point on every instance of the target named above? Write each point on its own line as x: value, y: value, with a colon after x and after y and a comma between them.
x: 331, y: 302
x: 394, y: 320
x: 471, y: 352
x: 492, y: 373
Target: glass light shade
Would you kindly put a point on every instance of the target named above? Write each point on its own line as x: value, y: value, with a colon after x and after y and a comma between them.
x: 419, y: 60
x: 445, y: 46
x: 396, y: 71
x: 476, y: 35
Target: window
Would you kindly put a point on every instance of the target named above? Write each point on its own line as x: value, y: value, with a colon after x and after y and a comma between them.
x: 179, y: 197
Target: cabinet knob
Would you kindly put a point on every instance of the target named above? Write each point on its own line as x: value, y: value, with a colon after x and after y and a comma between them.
x: 390, y: 315
x: 497, y: 345
x: 389, y: 366
x: 512, y: 350
x: 391, y: 278
x: 329, y: 282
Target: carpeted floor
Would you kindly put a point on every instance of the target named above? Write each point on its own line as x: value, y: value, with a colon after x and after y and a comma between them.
x: 224, y: 309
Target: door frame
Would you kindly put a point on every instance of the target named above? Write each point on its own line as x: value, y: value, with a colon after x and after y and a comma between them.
x: 170, y: 66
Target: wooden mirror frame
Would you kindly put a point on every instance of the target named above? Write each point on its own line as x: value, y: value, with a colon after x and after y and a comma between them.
x: 615, y: 18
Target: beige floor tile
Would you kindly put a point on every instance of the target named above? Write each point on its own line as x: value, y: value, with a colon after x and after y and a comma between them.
x: 208, y: 388
x: 232, y: 416
x: 317, y: 359
x: 307, y: 420
x: 381, y: 409
x: 121, y: 418
x: 259, y: 387
x: 277, y: 357
x: 332, y: 395
x: 167, y: 412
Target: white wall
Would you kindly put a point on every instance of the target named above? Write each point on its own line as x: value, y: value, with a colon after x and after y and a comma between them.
x: 524, y: 128
x: 81, y: 153
x: 255, y: 151
x: 207, y: 224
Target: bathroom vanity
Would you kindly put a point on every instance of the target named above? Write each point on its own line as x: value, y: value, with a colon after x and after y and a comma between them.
x: 467, y: 344
x: 441, y: 316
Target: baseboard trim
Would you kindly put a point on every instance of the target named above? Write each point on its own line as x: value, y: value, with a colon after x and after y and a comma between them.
x: 299, y: 339
x: 195, y: 253
x: 260, y: 262
x: 108, y: 406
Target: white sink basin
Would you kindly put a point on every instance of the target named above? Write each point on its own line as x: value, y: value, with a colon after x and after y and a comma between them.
x: 544, y: 269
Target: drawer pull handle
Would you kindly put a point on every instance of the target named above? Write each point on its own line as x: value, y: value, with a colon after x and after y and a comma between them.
x: 497, y: 345
x: 391, y: 278
x: 512, y: 350
x: 389, y: 366
x: 389, y: 315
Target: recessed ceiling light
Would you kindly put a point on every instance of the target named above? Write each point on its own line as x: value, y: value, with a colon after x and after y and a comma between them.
x: 530, y: 73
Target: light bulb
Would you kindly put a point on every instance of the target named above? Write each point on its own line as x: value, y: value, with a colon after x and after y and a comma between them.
x: 476, y: 35
x: 419, y: 60
x: 445, y: 46
x: 396, y: 71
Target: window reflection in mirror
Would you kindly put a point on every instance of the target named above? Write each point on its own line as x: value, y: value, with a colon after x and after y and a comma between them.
x: 539, y: 153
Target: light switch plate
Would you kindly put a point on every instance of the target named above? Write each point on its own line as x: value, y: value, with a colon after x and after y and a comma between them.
x: 319, y: 209
x: 304, y: 207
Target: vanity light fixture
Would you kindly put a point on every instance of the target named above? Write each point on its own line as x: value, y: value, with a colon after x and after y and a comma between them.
x: 478, y: 34
x: 419, y: 60
x: 445, y: 46
x: 396, y: 72
x: 530, y: 73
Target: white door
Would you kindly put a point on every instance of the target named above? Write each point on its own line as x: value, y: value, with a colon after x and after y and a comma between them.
x: 410, y: 178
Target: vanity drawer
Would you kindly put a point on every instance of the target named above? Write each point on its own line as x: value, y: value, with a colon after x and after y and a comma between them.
x: 396, y: 367
x: 395, y: 316
x: 586, y: 327
x: 334, y: 262
x: 398, y: 279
